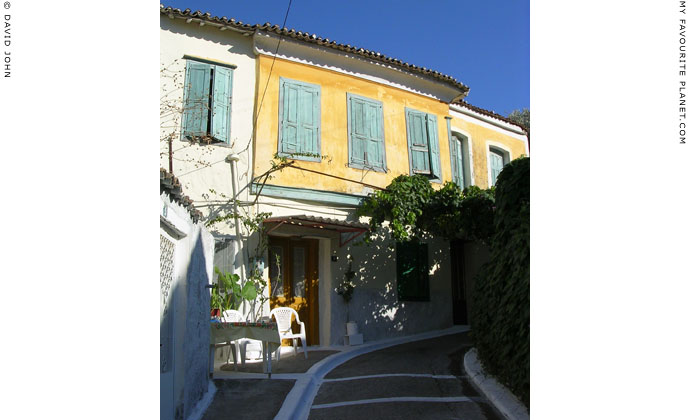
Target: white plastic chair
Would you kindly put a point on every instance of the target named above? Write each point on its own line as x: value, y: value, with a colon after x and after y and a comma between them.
x: 283, y: 317
x: 238, y: 346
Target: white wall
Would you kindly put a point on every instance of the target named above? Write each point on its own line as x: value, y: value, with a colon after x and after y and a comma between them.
x: 186, y: 381
x: 375, y: 305
x: 201, y: 168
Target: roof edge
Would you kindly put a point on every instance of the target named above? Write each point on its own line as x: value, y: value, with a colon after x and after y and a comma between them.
x: 314, y: 39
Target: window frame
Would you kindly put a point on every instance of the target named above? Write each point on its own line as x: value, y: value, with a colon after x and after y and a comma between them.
x: 317, y: 117
x: 466, y: 157
x: 366, y: 165
x: 423, y: 285
x: 209, y: 103
x: 497, y: 148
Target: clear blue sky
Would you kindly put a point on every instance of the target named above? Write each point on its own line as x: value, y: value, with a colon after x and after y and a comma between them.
x: 483, y: 44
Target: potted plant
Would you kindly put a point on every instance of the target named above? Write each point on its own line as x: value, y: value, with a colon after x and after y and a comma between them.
x: 228, y: 293
x: 346, y: 289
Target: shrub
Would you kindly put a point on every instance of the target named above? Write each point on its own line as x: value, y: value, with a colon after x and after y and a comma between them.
x: 500, y: 314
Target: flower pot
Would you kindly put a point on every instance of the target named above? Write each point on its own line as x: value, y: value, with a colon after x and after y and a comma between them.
x: 351, y: 328
x: 215, y: 313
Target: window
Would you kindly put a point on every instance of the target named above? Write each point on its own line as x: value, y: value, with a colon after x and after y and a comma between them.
x: 460, y: 160
x: 300, y: 120
x: 498, y: 158
x: 422, y: 142
x: 207, y: 101
x: 412, y: 270
x: 365, y: 133
x: 224, y: 256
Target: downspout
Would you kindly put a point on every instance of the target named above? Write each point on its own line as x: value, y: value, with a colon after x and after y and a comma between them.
x: 232, y: 159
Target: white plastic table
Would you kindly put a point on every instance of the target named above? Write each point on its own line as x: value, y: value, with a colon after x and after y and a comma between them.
x: 224, y: 332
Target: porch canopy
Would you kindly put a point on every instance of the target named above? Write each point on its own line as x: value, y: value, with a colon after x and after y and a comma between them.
x: 347, y: 230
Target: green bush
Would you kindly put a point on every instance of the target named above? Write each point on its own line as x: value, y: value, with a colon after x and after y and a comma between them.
x: 500, y: 314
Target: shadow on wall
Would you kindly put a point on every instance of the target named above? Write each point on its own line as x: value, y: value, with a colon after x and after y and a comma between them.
x: 375, y: 306
x: 224, y: 38
x: 184, y: 327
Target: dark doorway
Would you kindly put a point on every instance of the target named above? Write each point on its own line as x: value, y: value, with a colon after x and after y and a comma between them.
x: 459, y: 284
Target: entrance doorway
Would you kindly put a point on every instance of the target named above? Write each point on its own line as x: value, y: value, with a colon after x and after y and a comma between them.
x: 293, y: 269
x: 459, y: 283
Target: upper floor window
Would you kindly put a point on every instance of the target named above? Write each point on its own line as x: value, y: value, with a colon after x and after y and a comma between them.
x: 299, y: 134
x: 422, y: 143
x: 460, y: 160
x: 498, y: 158
x: 365, y: 133
x: 207, y: 102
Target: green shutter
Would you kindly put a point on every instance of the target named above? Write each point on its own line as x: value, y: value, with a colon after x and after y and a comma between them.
x: 310, y: 121
x: 365, y: 133
x: 432, y: 127
x: 289, y: 122
x: 460, y: 165
x: 417, y: 139
x: 412, y: 264
x: 300, y: 119
x: 196, y: 102
x: 456, y: 160
x: 357, y: 127
x: 496, y: 166
x: 222, y: 100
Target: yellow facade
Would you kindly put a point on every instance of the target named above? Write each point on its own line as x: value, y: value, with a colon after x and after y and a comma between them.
x: 334, y: 130
x: 481, y: 137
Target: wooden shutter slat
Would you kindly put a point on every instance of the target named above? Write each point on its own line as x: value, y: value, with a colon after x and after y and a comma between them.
x: 222, y: 100
x: 196, y: 103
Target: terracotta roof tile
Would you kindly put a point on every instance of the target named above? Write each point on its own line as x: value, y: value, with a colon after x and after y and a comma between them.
x: 313, y: 38
x: 171, y: 185
x: 488, y: 113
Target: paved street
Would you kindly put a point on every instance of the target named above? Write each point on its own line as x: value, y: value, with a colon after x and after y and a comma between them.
x: 419, y: 380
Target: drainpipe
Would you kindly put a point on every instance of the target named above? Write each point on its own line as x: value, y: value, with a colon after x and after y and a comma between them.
x: 232, y: 159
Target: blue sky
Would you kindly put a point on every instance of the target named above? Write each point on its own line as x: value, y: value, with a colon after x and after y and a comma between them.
x: 485, y: 45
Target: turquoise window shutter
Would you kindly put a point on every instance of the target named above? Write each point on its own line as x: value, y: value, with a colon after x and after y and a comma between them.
x: 418, y: 143
x: 365, y: 132
x: 456, y: 160
x: 496, y: 166
x: 300, y: 119
x: 452, y: 151
x: 289, y: 120
x: 358, y: 137
x: 460, y: 165
x: 196, y: 102
x: 222, y: 101
x: 432, y: 128
x: 310, y: 120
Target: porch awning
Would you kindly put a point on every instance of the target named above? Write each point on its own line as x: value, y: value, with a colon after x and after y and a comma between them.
x: 348, y: 230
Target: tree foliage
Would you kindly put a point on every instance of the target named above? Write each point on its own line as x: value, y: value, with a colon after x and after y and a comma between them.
x: 520, y: 116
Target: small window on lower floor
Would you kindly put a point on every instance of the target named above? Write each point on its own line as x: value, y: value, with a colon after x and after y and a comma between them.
x: 412, y: 271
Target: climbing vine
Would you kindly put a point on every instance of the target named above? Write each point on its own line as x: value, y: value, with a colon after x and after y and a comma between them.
x: 412, y: 208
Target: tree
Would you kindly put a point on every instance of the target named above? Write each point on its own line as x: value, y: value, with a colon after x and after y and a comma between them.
x: 520, y: 117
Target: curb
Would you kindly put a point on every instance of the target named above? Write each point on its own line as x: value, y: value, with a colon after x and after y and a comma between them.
x: 504, y: 400
x: 298, y: 402
x: 202, y: 405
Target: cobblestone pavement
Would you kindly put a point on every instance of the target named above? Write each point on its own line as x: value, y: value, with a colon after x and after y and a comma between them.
x: 419, y: 380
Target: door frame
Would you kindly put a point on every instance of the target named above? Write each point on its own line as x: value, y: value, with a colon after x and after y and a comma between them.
x: 458, y: 282
x: 307, y: 306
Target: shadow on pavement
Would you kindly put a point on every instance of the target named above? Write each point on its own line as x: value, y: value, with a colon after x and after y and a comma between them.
x: 289, y: 363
